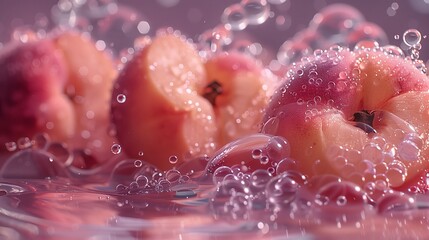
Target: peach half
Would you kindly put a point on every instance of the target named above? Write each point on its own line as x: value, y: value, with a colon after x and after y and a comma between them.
x: 61, y: 86
x: 361, y: 115
x: 168, y: 103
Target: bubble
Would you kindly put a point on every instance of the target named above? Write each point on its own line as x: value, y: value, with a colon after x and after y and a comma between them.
x: 142, y: 181
x: 341, y: 194
x: 121, y: 188
x: 163, y: 186
x: 138, y: 163
x: 335, y: 20
x: 220, y: 173
x: 271, y: 126
x: 281, y: 191
x: 116, y: 149
x: 276, y: 2
x: 256, y: 11
x: 372, y: 152
x: 394, y: 202
x: 60, y: 152
x: 292, y: 51
x: 173, y: 175
x: 256, y: 153
x: 393, y: 50
x: 408, y: 150
x: 234, y: 18
x: 121, y: 98
x: 173, y: 159
x: 411, y: 37
x: 277, y: 148
x: 259, y: 178
x: 367, y: 32
x: 11, y: 146
x: 237, y: 206
x: 32, y: 164
x: 216, y: 39
x: 286, y: 164
x: 24, y: 143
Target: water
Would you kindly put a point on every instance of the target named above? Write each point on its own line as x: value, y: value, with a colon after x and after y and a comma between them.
x: 251, y: 188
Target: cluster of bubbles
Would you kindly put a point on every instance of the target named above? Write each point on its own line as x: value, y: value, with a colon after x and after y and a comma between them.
x: 37, y: 158
x: 380, y: 165
x: 412, y: 43
x: 102, y: 19
x: 235, y: 18
x: 288, y: 195
x: 136, y: 176
x: 337, y: 24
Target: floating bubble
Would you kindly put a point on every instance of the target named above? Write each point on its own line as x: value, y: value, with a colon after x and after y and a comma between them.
x: 394, y: 201
x: 60, y: 152
x: 335, y: 20
x: 276, y: 2
x: 281, y: 191
x: 173, y: 159
x: 220, y: 173
x: 234, y: 18
x: 32, y: 164
x: 259, y: 178
x: 121, y: 98
x: 11, y: 146
x: 116, y: 149
x: 256, y: 11
x: 411, y: 37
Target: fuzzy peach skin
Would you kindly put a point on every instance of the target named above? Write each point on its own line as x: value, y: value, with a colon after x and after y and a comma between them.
x: 315, y: 109
x: 61, y: 86
x: 178, y: 105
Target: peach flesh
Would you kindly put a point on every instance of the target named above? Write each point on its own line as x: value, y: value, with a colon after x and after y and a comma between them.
x: 169, y: 73
x: 316, y: 104
x: 60, y: 86
x: 178, y: 105
x: 31, y: 80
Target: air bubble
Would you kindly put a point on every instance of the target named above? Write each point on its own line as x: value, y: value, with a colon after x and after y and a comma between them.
x: 220, y: 173
x: 173, y: 159
x: 394, y: 202
x: 260, y: 178
x: 116, y: 148
x: 142, y: 181
x: 412, y: 37
x: 256, y: 153
x: 256, y: 11
x: 234, y: 18
x: 121, y: 98
x: 276, y: 2
x: 11, y: 146
x: 281, y: 191
x: 24, y: 143
x: 138, y: 163
x: 408, y: 151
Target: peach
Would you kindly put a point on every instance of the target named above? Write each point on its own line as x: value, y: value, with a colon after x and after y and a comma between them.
x: 359, y: 115
x: 61, y: 86
x: 173, y: 104
x: 32, y: 79
x: 90, y: 78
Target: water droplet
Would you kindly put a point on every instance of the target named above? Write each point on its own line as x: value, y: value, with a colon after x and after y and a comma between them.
x: 256, y: 11
x: 121, y: 98
x: 24, y: 143
x: 138, y: 163
x: 116, y: 148
x: 220, y: 173
x: 11, y: 146
x: 412, y: 37
x: 234, y: 18
x: 173, y: 159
